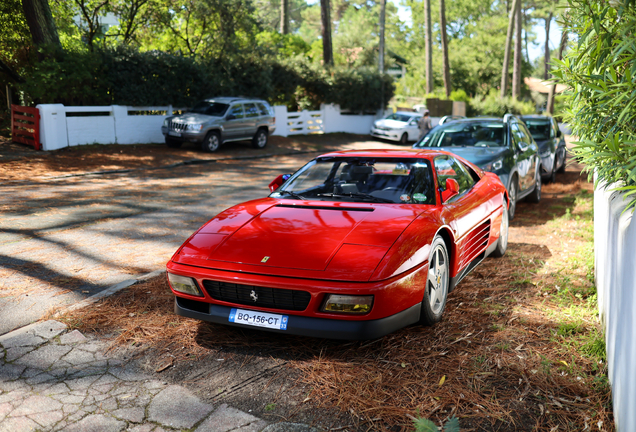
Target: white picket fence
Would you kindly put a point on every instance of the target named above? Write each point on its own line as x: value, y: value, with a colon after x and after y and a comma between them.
x: 62, y: 126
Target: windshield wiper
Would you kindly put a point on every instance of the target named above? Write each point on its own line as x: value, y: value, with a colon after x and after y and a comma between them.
x: 292, y: 194
x: 357, y: 195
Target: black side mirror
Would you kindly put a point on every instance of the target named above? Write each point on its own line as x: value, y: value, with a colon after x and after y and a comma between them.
x: 559, y: 133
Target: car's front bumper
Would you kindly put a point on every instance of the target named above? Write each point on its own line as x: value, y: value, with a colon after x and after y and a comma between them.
x: 393, y: 135
x: 186, y: 136
x: 304, y: 325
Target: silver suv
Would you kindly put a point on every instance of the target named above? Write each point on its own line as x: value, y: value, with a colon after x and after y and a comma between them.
x: 213, y: 122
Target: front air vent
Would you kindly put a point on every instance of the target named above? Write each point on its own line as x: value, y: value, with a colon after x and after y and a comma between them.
x: 250, y: 295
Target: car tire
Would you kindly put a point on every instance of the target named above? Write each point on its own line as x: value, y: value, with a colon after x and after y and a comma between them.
x: 260, y: 139
x: 535, y: 195
x: 437, y: 283
x: 552, y: 178
x: 173, y: 143
x: 513, y: 191
x: 502, y: 241
x: 211, y: 142
x: 562, y: 167
x: 404, y: 139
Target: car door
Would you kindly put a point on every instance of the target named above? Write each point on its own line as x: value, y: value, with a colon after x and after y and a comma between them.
x: 412, y: 129
x: 526, y: 155
x: 233, y: 128
x: 466, y: 213
x: 252, y: 116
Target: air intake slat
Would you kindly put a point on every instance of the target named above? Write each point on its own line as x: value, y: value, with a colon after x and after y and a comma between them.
x: 274, y: 298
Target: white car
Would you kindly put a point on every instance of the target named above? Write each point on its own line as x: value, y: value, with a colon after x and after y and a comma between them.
x: 400, y: 126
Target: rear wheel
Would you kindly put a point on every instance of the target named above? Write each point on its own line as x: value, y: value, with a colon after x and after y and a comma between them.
x: 404, y: 139
x: 173, y: 143
x: 562, y: 167
x: 437, y: 283
x: 211, y: 142
x: 260, y: 139
x: 502, y: 242
x: 552, y: 178
x: 535, y: 196
x: 512, y: 193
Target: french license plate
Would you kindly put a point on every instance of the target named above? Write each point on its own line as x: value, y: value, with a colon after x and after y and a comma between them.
x: 173, y: 133
x: 259, y: 319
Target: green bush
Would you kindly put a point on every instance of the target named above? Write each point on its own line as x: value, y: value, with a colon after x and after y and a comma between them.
x: 494, y: 105
x: 601, y: 107
x: 124, y: 76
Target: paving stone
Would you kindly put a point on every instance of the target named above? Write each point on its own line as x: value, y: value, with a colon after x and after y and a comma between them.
x: 82, y: 371
x: 74, y: 337
x: 225, y: 418
x: 105, y: 379
x: 142, y: 428
x: 14, y: 396
x: 49, y: 329
x: 257, y: 426
x: 114, y: 362
x: 9, y: 386
x: 100, y: 398
x: 109, y: 404
x: 81, y: 383
x: 36, y: 404
x: 97, y: 423
x: 5, y: 409
x: 289, y: 427
x: 17, y: 352
x: 127, y: 373
x: 22, y: 340
x: 91, y: 347
x: 41, y: 378
x: 61, y: 364
x: 177, y: 407
x: 76, y: 416
x: 9, y: 372
x: 135, y: 415
x: 47, y: 419
x: 30, y: 373
x: 70, y: 399
x: 77, y: 357
x: 57, y: 389
x: 44, y: 357
x: 18, y: 424
x: 59, y: 373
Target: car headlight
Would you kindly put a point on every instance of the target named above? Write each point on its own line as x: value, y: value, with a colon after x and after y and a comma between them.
x: 166, y: 122
x: 493, y: 166
x: 348, y: 304
x: 184, y: 285
x: 195, y: 127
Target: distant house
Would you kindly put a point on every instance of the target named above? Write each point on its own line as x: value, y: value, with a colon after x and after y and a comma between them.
x: 538, y: 85
x: 397, y: 65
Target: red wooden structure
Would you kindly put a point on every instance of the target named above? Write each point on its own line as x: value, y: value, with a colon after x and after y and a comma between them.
x: 25, y: 126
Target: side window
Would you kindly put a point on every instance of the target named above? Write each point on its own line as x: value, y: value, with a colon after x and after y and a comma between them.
x: 518, y: 135
x: 525, y: 135
x: 449, y: 167
x: 237, y: 111
x: 251, y: 110
x: 262, y: 108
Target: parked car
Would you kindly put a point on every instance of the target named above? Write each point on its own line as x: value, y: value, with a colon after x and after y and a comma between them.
x: 552, y: 150
x: 354, y: 245
x: 400, y: 126
x: 502, y: 146
x: 215, y: 121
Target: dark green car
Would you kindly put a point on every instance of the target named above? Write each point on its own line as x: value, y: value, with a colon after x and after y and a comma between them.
x: 502, y: 146
x: 552, y: 151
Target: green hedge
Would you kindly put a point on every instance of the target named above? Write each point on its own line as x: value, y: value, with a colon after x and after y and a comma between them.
x: 127, y: 77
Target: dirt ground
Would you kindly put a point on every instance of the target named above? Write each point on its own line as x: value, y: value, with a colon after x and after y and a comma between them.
x: 514, y: 352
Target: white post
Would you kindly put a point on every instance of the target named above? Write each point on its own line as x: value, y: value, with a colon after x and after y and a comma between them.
x: 280, y: 112
x: 53, y: 133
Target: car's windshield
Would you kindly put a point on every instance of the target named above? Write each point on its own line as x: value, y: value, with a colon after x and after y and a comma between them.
x: 210, y: 108
x: 466, y: 134
x: 357, y: 179
x: 399, y: 117
x: 539, y: 129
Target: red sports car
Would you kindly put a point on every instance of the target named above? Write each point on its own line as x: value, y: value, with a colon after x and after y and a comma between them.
x: 354, y: 245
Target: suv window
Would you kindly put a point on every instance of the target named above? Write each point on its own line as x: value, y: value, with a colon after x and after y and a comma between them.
x: 262, y: 108
x: 237, y: 111
x: 449, y: 167
x: 210, y: 108
x: 251, y: 110
x: 520, y: 134
x: 478, y: 133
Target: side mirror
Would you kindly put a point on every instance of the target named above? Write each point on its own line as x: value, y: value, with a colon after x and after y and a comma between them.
x: 452, y: 189
x: 230, y: 117
x: 278, y: 182
x: 559, y: 133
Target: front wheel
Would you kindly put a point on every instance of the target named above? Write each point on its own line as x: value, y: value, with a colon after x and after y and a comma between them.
x: 502, y: 242
x: 260, y: 139
x: 437, y: 282
x: 512, y: 193
x: 535, y: 196
x: 562, y: 167
x: 211, y: 142
x: 404, y: 139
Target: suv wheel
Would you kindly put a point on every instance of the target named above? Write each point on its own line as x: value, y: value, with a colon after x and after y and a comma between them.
x: 260, y: 139
x: 512, y: 193
x: 535, y: 196
x: 173, y: 143
x: 211, y: 142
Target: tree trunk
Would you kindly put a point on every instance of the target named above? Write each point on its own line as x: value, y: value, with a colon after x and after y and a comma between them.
x: 284, y: 16
x: 428, y: 46
x: 325, y: 17
x: 506, y: 61
x: 546, y: 55
x: 516, y: 71
x: 564, y: 41
x: 446, y: 66
x: 382, y: 19
x: 40, y: 20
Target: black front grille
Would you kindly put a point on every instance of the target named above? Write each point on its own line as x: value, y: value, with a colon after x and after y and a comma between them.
x: 274, y: 298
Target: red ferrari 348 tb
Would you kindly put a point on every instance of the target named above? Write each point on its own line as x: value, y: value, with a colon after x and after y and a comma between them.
x: 354, y: 245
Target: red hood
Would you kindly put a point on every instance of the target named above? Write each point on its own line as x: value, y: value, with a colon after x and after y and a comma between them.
x: 318, y: 239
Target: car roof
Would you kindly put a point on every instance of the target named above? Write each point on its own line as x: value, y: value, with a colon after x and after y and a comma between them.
x: 227, y: 99
x: 411, y: 113
x: 536, y: 117
x: 379, y: 153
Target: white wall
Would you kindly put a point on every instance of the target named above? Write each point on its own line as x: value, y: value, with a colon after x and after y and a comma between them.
x: 615, y: 266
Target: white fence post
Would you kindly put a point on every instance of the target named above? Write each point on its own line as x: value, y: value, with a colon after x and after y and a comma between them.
x: 53, y: 134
